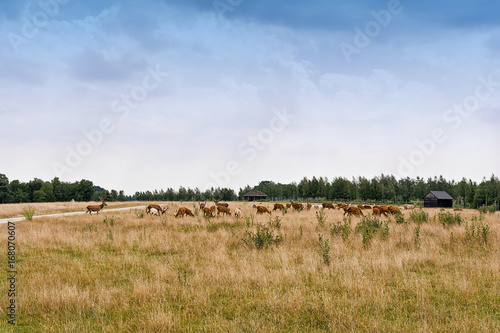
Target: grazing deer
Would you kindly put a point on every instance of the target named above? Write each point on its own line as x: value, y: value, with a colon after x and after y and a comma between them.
x: 353, y: 210
x: 95, y: 208
x: 261, y: 209
x: 207, y: 212
x: 328, y: 205
x: 158, y: 209
x: 278, y: 206
x: 184, y: 211
x: 223, y: 210
x: 296, y: 206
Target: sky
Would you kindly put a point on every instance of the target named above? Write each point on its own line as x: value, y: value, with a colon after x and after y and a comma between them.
x: 144, y: 95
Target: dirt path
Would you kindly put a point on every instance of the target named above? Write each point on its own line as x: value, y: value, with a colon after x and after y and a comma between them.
x: 17, y: 219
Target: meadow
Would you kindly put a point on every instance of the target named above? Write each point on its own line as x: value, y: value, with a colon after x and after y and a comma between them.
x: 308, y: 271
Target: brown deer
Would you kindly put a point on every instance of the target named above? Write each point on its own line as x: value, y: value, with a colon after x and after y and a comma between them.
x: 278, y: 206
x: 297, y: 206
x: 353, y: 210
x: 158, y: 209
x: 223, y: 210
x: 328, y: 205
x: 184, y: 211
x: 207, y: 212
x: 261, y: 209
x: 394, y: 210
x: 95, y: 208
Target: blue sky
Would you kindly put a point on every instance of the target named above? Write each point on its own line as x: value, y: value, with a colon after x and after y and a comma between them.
x: 155, y: 94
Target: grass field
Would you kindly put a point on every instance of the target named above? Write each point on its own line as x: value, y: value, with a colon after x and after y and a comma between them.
x: 42, y: 208
x: 118, y: 272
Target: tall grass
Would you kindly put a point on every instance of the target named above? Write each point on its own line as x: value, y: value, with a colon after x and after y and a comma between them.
x: 28, y: 212
x: 419, y: 216
x: 190, y: 275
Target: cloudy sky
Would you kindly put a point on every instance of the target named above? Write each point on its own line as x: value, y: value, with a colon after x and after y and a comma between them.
x: 143, y: 95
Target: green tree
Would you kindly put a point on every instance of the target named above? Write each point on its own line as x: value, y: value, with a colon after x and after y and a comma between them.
x: 4, y: 188
x: 121, y: 196
x: 57, y: 189
x: 34, y: 185
x: 45, y: 193
x: 85, y: 190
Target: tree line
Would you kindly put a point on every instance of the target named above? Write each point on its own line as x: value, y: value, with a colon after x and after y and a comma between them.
x: 383, y: 188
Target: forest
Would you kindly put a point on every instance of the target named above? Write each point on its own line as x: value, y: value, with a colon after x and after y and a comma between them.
x: 383, y: 188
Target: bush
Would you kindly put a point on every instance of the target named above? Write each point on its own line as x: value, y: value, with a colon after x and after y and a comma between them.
x: 419, y: 216
x: 368, y: 226
x: 28, y: 212
x: 276, y: 222
x: 477, y: 231
x: 321, y: 217
x: 262, y: 237
x: 109, y: 220
x: 416, y: 237
x: 400, y: 219
x: 250, y: 220
x: 448, y: 219
x: 342, y: 229
x: 196, y: 209
x: 140, y: 213
x: 324, y: 249
x: 487, y: 209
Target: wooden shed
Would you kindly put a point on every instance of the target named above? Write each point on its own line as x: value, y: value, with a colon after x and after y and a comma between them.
x: 438, y: 199
x: 255, y: 195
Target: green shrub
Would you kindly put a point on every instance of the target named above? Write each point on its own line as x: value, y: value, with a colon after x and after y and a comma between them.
x: 487, y: 209
x: 477, y: 231
x: 109, y: 220
x: 276, y: 222
x: 416, y: 238
x: 140, y: 213
x: 367, y: 227
x: 28, y: 212
x: 321, y: 217
x: 196, y: 209
x: 262, y: 237
x: 324, y: 249
x: 418, y: 216
x: 342, y: 229
x: 448, y: 219
x: 399, y: 218
x: 250, y: 220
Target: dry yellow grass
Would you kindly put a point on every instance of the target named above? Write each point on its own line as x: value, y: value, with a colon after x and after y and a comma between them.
x: 42, y: 208
x: 129, y: 274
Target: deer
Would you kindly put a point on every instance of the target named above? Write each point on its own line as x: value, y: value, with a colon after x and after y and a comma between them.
x: 217, y: 203
x: 353, y: 210
x: 159, y: 210
x: 278, y: 206
x: 394, y: 210
x: 95, y: 208
x: 262, y: 209
x: 223, y: 210
x: 328, y: 205
x: 184, y: 211
x: 207, y: 212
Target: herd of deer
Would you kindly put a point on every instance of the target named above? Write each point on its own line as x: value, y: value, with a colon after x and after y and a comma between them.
x: 222, y: 208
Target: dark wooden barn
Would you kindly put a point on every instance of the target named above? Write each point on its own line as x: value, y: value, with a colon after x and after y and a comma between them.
x: 255, y: 195
x: 438, y: 199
